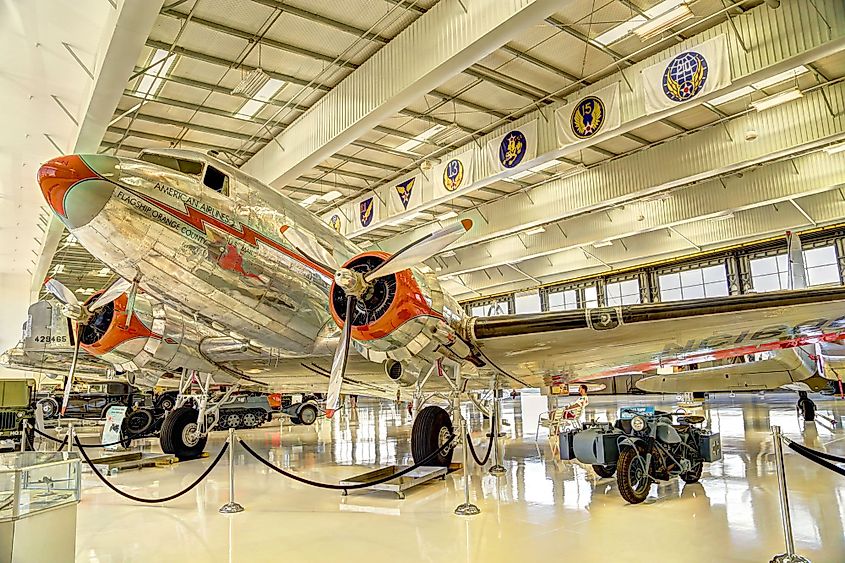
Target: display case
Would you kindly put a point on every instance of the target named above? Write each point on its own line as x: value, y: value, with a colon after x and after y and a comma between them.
x: 38, y: 491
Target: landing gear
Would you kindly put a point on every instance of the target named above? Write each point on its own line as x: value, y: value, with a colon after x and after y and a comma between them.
x: 181, y: 434
x: 432, y: 430
x: 806, y: 407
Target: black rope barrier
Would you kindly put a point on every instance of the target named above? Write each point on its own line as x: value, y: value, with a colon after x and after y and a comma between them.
x: 489, y: 444
x: 64, y: 441
x: 814, y: 456
x: 344, y: 488
x: 153, y: 500
x: 823, y: 455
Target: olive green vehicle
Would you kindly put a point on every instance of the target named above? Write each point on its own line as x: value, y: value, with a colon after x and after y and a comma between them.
x: 15, y: 408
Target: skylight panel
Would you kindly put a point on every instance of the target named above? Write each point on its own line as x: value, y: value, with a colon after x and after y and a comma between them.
x: 410, y: 144
x: 153, y: 79
x: 615, y: 34
x: 264, y: 95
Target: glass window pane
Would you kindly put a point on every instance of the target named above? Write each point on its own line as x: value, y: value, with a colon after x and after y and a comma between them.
x: 714, y: 274
x: 591, y: 297
x: 691, y: 277
x: 497, y: 309
x: 693, y: 292
x: 669, y: 281
x: 765, y: 283
x: 479, y: 311
x: 717, y: 289
x: 763, y: 266
x: 820, y: 256
x: 631, y: 299
x: 528, y: 302
x: 823, y: 274
x: 670, y: 294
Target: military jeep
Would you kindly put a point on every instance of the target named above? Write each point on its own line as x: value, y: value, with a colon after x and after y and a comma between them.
x: 15, y: 408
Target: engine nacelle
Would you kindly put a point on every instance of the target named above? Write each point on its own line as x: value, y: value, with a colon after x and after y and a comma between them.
x: 158, y: 339
x: 403, y: 318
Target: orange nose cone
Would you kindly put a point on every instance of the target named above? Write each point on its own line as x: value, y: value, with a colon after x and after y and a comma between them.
x: 57, y: 176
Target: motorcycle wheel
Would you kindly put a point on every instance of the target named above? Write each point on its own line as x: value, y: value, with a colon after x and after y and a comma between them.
x: 631, y: 476
x: 604, y: 470
x: 693, y: 475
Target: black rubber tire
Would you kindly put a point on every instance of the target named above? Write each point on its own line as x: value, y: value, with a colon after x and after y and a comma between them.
x: 426, y: 433
x: 807, y: 409
x: 48, y: 406
x: 604, y: 470
x: 307, y: 415
x: 171, y: 438
x: 138, y: 422
x: 628, y: 461
x: 694, y: 475
x: 295, y: 420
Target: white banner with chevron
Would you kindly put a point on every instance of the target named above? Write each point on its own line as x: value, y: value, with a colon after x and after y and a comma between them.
x: 689, y: 75
x: 588, y: 116
x: 404, y: 195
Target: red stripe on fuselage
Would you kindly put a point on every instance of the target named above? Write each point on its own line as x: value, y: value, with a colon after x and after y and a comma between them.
x: 200, y: 220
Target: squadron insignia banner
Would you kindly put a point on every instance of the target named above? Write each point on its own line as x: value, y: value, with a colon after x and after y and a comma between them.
x: 589, y: 116
x: 688, y: 75
x: 404, y: 195
x: 367, y: 211
x: 337, y: 220
x: 513, y: 148
x: 453, y: 174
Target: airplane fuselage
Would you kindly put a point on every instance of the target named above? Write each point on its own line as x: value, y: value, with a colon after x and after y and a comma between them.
x: 219, y: 256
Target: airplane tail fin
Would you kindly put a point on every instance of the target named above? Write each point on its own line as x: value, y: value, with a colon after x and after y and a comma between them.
x: 795, y: 262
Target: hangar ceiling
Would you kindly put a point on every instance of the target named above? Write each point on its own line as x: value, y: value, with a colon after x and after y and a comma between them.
x: 547, y: 224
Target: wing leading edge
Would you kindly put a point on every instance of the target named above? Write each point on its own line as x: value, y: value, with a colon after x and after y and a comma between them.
x: 551, y: 348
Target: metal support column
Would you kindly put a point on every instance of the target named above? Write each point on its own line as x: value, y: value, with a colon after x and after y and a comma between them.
x: 790, y: 555
x: 231, y: 507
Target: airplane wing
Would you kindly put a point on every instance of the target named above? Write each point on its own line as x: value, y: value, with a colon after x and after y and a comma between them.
x: 540, y: 350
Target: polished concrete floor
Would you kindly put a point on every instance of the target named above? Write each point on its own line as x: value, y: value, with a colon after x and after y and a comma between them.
x: 539, y: 510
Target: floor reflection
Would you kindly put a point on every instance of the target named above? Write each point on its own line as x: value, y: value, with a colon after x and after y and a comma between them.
x: 540, y: 506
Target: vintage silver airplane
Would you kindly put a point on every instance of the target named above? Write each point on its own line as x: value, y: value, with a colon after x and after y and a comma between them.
x: 225, y: 277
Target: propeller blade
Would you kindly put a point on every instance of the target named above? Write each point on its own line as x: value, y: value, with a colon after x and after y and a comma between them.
x: 114, y: 291
x: 61, y: 292
x: 340, y: 357
x: 421, y: 250
x: 69, y: 383
x: 312, y: 249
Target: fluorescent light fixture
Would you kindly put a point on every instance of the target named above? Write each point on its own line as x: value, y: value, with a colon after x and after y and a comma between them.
x: 602, y: 244
x: 446, y: 216
x: 331, y: 196
x: 835, y: 149
x: 777, y: 99
x: 723, y: 217
x: 251, y: 83
x: 546, y: 165
x: 309, y: 200
x: 781, y: 77
x: 410, y: 217
x: 536, y: 230
x: 104, y: 272
x: 661, y: 23
x: 58, y: 268
x: 623, y: 29
x: 125, y: 113
x: 152, y: 80
x: 447, y: 254
x: 420, y: 139
x: 251, y: 107
x: 730, y: 96
x: 365, y: 243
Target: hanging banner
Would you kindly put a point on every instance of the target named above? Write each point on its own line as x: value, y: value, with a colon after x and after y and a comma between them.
x: 692, y: 74
x: 404, y: 195
x: 366, y: 210
x: 589, y: 116
x: 453, y: 174
x: 513, y: 148
x: 337, y: 220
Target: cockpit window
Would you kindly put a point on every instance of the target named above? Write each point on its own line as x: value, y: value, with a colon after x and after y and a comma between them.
x: 179, y: 164
x: 216, y: 180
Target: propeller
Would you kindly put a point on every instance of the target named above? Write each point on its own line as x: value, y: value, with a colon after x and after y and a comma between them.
x: 79, y: 314
x: 312, y: 249
x: 355, y: 285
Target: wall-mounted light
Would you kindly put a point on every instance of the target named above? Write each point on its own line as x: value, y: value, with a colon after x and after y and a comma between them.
x: 777, y: 99
x: 661, y: 23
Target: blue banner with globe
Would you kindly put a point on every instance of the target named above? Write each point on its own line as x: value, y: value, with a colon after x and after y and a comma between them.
x: 687, y: 76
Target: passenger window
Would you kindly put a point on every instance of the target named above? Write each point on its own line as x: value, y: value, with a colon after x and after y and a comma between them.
x: 216, y: 180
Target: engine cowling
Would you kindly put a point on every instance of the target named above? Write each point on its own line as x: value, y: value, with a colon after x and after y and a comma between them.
x: 404, y: 320
x: 158, y: 339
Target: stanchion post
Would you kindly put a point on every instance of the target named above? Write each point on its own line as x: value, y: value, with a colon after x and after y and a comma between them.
x: 24, y: 424
x: 497, y: 468
x: 790, y: 555
x: 231, y: 507
x: 70, y: 433
x: 467, y: 508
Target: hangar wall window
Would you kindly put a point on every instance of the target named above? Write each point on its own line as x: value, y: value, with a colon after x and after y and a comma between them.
x: 697, y: 283
x: 626, y: 292
x: 563, y: 300
x: 494, y: 309
x: 770, y: 273
x: 527, y: 302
